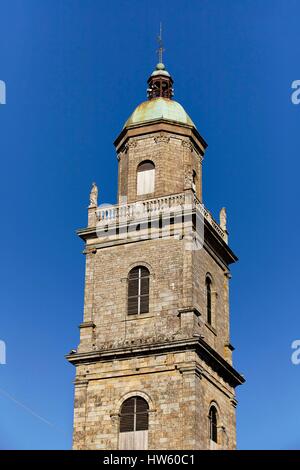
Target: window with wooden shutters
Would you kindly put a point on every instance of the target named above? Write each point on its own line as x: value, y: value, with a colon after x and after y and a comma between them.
x: 127, y: 415
x: 213, y: 424
x: 145, y: 178
x: 134, y: 423
x: 134, y: 415
x: 138, y: 290
x: 208, y: 301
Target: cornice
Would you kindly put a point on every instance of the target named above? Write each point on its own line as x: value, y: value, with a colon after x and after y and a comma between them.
x: 159, y: 126
x: 205, y: 352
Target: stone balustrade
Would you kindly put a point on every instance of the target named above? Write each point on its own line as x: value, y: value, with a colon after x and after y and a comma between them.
x: 175, y: 203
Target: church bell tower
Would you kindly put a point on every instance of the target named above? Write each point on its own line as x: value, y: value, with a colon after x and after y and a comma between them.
x: 154, y: 363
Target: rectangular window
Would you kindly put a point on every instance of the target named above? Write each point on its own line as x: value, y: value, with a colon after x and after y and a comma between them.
x: 145, y: 182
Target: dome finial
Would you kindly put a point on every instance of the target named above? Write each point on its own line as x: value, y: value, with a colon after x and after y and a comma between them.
x: 160, y: 49
x: 160, y: 83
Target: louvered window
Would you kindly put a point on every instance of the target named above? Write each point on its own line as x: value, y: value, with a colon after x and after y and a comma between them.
x: 138, y: 290
x: 208, y: 301
x: 213, y: 424
x: 134, y: 415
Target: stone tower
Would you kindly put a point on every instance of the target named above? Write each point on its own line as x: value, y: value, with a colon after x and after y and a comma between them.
x: 154, y: 367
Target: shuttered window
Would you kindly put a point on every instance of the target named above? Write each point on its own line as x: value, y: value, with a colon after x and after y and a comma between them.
x: 134, y: 415
x: 145, y: 178
x: 208, y: 301
x: 138, y: 290
x: 213, y: 424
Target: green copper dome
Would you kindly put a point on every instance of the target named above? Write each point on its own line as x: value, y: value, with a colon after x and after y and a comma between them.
x: 159, y: 108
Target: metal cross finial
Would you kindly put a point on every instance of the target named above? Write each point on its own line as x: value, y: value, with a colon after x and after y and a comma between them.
x: 160, y: 44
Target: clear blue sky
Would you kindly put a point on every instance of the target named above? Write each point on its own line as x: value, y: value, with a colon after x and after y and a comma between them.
x: 74, y: 72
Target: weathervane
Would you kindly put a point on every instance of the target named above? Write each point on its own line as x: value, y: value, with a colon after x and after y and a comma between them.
x: 160, y: 49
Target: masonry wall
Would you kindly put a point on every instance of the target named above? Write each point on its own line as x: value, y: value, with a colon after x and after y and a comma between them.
x: 177, y: 281
x: 179, y: 386
x: 173, y: 156
x: 179, y: 396
x: 106, y: 289
x: 217, y: 392
x: 205, y: 263
x: 179, y: 399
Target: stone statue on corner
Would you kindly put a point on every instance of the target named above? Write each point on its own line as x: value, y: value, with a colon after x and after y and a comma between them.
x: 223, y: 219
x: 94, y: 196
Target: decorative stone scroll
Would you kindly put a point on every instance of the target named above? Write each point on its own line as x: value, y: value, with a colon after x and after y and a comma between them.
x: 187, y: 144
x: 131, y: 144
x: 161, y: 138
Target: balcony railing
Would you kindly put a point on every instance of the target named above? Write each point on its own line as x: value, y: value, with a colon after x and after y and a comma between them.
x: 175, y: 203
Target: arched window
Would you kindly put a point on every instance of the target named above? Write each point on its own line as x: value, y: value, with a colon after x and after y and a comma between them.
x: 134, y: 423
x: 213, y: 424
x: 138, y: 290
x: 208, y: 300
x: 145, y: 177
x: 134, y: 415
